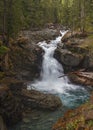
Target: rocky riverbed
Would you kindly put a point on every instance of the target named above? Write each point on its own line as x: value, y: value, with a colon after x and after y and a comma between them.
x: 24, y: 65
x: 77, y: 57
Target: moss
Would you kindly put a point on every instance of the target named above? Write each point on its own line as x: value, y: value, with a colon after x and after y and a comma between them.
x: 74, y: 124
x: 91, y: 106
x: 70, y: 126
x: 1, y: 43
x: 90, y: 123
x: 88, y: 42
x: 89, y: 28
x: 2, y: 74
x: 3, y: 50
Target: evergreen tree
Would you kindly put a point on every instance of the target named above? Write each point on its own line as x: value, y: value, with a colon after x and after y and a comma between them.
x: 16, y: 15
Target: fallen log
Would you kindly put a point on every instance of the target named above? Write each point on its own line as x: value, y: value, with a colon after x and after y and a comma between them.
x: 73, y: 72
x: 88, y: 75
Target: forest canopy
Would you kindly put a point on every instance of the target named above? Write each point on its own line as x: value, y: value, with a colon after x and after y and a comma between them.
x: 16, y: 15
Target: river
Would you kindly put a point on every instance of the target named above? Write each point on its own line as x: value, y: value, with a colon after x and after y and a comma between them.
x: 49, y: 82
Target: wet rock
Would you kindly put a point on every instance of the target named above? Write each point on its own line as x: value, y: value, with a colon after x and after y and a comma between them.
x: 2, y: 124
x: 39, y: 100
x: 10, y: 108
x: 68, y: 58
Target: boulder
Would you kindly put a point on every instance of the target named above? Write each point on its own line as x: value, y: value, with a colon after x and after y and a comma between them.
x: 39, y: 100
x: 80, y: 46
x: 68, y: 58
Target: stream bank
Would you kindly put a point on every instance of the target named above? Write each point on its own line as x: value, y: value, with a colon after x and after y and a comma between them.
x: 78, y: 119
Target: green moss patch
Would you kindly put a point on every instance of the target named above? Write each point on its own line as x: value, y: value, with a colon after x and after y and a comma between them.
x: 2, y: 74
x: 88, y: 42
x: 3, y: 50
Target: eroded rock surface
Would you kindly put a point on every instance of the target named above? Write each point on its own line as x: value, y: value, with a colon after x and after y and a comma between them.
x: 39, y: 100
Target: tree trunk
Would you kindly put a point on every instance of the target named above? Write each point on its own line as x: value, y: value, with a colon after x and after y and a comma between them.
x: 7, y: 61
x: 83, y: 16
x: 10, y: 3
x: 4, y: 23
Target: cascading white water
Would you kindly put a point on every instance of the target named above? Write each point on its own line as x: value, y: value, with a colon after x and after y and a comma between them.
x: 51, y: 71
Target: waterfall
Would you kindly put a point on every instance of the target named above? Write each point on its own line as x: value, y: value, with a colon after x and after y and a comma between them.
x: 49, y: 78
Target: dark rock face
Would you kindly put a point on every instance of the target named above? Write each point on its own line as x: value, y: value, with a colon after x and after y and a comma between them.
x: 70, y: 59
x: 36, y: 99
x: 26, y: 60
x: 10, y: 108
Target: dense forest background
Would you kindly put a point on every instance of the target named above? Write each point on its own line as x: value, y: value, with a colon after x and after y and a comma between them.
x: 16, y: 15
